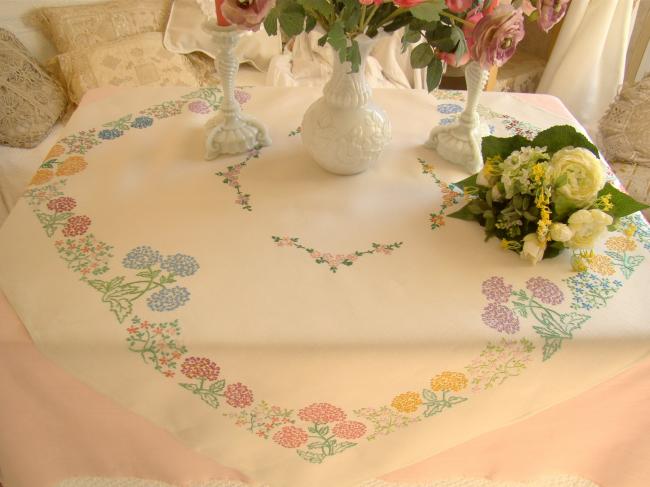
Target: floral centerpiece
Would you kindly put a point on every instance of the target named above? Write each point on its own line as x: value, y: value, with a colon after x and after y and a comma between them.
x: 543, y: 195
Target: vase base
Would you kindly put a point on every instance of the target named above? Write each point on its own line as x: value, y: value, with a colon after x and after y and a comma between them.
x: 233, y: 136
x: 459, y: 144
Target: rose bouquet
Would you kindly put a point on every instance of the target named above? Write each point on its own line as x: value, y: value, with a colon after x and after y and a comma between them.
x: 544, y: 195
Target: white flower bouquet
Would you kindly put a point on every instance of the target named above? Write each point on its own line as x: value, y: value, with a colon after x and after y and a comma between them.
x: 542, y: 196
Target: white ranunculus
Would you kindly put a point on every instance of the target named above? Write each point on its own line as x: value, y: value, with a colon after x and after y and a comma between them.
x: 496, y: 194
x: 533, y: 249
x: 587, y: 226
x: 561, y: 232
x: 577, y: 175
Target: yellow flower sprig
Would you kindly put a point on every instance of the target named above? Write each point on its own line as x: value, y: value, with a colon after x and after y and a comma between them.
x: 581, y: 259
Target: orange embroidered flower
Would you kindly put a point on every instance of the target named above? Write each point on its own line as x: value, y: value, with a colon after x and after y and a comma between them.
x: 620, y: 244
x: 438, y: 220
x: 55, y: 151
x: 72, y: 165
x: 42, y: 176
x: 449, y: 381
x: 408, y: 402
x: 602, y: 265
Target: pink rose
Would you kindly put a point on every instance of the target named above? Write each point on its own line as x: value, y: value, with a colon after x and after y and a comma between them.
x: 489, y: 6
x: 550, y: 12
x: 407, y: 3
x: 496, y: 36
x: 458, y: 6
x: 246, y: 13
x: 450, y: 58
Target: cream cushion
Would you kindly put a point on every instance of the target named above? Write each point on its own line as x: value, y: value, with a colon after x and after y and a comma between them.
x: 139, y: 60
x: 86, y: 25
x: 30, y: 101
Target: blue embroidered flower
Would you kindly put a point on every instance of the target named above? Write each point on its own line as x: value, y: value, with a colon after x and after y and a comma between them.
x: 109, y: 134
x: 448, y: 108
x: 590, y: 291
x: 168, y: 299
x: 180, y: 264
x: 141, y: 257
x: 142, y: 122
x: 447, y: 121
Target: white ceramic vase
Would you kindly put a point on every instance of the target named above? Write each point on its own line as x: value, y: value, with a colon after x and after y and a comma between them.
x: 460, y: 142
x: 344, y: 131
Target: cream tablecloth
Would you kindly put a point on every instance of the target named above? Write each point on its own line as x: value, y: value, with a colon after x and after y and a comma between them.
x: 280, y: 319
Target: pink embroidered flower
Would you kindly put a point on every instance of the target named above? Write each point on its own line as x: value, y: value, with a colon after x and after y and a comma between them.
x: 315, y: 254
x: 458, y: 6
x: 238, y: 395
x: 200, y: 368
x: 438, y: 220
x: 495, y: 289
x: 321, y: 412
x: 544, y: 290
x: 351, y: 257
x: 291, y: 437
x: 246, y: 13
x: 199, y: 106
x: 241, y: 96
x: 500, y: 317
x: 384, y: 249
x: 349, y: 430
x: 76, y: 225
x: 495, y: 37
x: 285, y: 242
x: 62, y: 204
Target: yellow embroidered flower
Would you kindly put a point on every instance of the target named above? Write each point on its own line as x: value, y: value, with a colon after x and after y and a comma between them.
x: 630, y: 230
x: 42, y: 176
x: 72, y: 165
x: 408, y: 402
x: 55, y: 151
x: 602, y: 265
x: 449, y: 381
x: 620, y: 244
x: 428, y: 168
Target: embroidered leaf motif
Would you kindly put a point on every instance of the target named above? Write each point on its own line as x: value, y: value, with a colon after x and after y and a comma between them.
x: 429, y: 395
x: 217, y: 386
x: 434, y: 408
x: 122, y: 307
x: 310, y: 456
x: 210, y: 398
x: 551, y: 345
x: 189, y: 387
x: 573, y: 321
x: 339, y: 447
x: 520, y: 308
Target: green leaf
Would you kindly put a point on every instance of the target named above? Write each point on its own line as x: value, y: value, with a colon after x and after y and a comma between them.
x: 336, y: 38
x: 428, y: 11
x: 217, y: 386
x: 434, y: 408
x: 459, y: 39
x: 502, y: 146
x: 310, y: 24
x: 316, y: 444
x: 434, y: 74
x: 292, y: 20
x: 411, y: 36
x: 456, y: 399
x: 553, y: 249
x: 189, y: 387
x: 572, y: 321
x: 271, y: 22
x: 398, y: 22
x: 560, y: 136
x: 429, y: 395
x: 351, y: 14
x: 623, y: 203
x: 344, y: 445
x: 121, y: 307
x: 468, y: 181
x: 322, y: 7
x: 210, y: 399
x: 98, y: 284
x: 551, y: 345
x: 521, y: 308
x: 311, y: 457
x: 421, y: 56
x: 465, y: 214
x: 354, y: 55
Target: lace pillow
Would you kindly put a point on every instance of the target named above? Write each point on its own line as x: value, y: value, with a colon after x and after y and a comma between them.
x: 87, y: 25
x: 626, y: 125
x: 139, y: 60
x: 30, y: 101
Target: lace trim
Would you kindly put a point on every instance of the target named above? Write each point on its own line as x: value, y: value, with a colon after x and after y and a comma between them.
x: 546, y: 481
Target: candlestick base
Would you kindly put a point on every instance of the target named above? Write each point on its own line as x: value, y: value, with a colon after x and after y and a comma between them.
x: 229, y: 131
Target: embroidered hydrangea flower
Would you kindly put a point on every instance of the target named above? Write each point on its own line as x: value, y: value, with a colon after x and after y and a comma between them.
x: 238, y: 395
x: 199, y: 106
x: 446, y: 121
x: 242, y: 96
x: 291, y: 437
x: 449, y: 381
x: 620, y: 244
x: 42, y: 176
x: 495, y: 289
x: 142, y: 122
x: 590, y: 291
x: 168, y: 299
x: 500, y: 317
x: 72, y: 165
x: 76, y: 225
x: 109, y: 134
x: 602, y: 265
x: 544, y: 290
x: 141, y: 257
x: 448, y: 108
x: 407, y: 402
x: 349, y: 430
x: 180, y: 264
x: 321, y: 412
x: 64, y: 203
x: 200, y: 368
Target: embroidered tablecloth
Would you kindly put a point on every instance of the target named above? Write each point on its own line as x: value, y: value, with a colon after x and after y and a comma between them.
x: 306, y: 328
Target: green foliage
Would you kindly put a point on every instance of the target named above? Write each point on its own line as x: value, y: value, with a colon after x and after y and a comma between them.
x: 434, y: 74
x: 623, y: 204
x: 560, y: 136
x: 421, y: 56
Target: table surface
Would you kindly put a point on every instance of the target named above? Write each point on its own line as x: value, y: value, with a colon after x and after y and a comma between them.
x: 60, y: 340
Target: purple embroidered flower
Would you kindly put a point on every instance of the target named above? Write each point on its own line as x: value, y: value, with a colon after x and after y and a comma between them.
x: 448, y: 108
x: 199, y: 106
x: 241, y: 96
x: 168, y: 299
x: 495, y: 289
x: 501, y: 318
x: 109, y: 134
x: 141, y: 257
x: 142, y: 122
x: 180, y: 264
x: 545, y: 290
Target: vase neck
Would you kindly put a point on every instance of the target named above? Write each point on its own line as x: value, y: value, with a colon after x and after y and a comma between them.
x: 346, y: 89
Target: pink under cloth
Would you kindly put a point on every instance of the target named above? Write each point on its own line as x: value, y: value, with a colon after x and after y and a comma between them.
x: 54, y: 427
